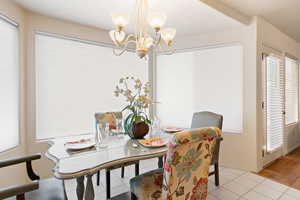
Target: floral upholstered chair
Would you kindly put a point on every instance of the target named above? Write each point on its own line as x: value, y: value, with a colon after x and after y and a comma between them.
x: 210, y: 119
x: 185, y: 173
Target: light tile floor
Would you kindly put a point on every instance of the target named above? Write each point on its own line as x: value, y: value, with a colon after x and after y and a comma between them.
x: 234, y: 185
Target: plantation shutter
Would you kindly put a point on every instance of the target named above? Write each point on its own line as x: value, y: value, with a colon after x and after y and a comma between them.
x: 291, y: 90
x: 274, y: 97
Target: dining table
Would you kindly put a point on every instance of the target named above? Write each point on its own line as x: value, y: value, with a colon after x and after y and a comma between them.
x: 85, y: 163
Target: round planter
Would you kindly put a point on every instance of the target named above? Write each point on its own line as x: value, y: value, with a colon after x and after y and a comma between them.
x: 135, y: 130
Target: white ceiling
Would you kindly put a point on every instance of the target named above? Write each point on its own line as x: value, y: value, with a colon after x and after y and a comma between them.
x: 187, y: 16
x: 284, y: 14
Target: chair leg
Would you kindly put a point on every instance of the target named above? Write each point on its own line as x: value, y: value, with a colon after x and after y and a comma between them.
x: 133, y: 197
x: 137, y: 169
x: 65, y: 192
x: 160, y: 162
x: 20, y: 197
x: 217, y: 178
x: 107, y: 184
x: 98, y: 178
x: 122, y: 172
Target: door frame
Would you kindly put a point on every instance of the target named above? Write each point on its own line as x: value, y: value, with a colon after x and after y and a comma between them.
x: 268, y: 157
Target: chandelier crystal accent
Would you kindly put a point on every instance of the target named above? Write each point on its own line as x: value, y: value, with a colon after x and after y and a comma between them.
x: 161, y: 39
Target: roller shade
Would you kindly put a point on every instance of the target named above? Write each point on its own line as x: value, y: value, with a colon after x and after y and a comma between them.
x: 75, y: 79
x: 9, y: 85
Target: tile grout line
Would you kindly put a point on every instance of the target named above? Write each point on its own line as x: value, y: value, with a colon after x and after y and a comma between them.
x: 227, y: 183
x: 251, y: 189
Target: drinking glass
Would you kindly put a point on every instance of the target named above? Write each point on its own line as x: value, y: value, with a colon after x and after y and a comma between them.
x: 104, y: 133
x: 156, y: 129
x: 119, y: 127
x: 97, y: 136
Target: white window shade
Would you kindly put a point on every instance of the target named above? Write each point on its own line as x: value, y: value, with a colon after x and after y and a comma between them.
x: 202, y: 80
x: 9, y: 85
x: 291, y: 90
x: 75, y: 80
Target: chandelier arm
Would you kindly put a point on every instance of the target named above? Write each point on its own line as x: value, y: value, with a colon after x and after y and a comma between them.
x: 157, y: 39
x: 125, y: 45
x: 119, y: 44
x: 168, y: 51
x: 160, y: 47
x: 118, y: 53
x: 171, y: 50
x: 125, y: 41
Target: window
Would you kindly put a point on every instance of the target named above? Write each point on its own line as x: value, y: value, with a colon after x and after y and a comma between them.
x: 9, y: 85
x: 75, y: 79
x: 273, y: 101
x: 201, y: 80
x: 291, y: 90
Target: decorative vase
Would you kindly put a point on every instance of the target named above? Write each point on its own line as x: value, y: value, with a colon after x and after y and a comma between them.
x: 140, y: 129
x: 135, y: 130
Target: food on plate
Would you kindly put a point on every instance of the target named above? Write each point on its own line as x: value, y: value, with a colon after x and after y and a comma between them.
x: 79, y: 141
x: 152, y: 142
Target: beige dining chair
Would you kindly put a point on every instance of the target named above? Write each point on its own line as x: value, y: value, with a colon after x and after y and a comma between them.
x: 111, y: 118
x: 45, y: 189
x: 210, y: 119
x: 186, y: 169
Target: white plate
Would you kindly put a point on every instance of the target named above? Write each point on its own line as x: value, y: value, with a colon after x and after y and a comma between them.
x: 79, y: 146
x: 155, y: 144
x: 172, y: 129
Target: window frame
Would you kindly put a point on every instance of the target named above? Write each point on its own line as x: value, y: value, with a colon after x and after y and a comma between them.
x: 34, y: 138
x: 195, y: 49
x: 13, y: 23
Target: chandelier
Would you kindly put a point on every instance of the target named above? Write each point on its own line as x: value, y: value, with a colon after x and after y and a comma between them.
x: 142, y: 40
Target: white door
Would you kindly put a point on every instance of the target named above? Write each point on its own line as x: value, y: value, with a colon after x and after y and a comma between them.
x: 273, y: 107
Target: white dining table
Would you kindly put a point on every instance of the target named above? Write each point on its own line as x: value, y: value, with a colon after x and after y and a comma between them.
x: 85, y: 163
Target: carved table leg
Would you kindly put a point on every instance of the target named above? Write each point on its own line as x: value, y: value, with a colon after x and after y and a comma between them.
x: 89, y: 191
x: 80, y: 188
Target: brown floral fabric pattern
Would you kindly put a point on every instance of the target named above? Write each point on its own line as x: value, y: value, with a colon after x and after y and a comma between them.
x: 186, y: 168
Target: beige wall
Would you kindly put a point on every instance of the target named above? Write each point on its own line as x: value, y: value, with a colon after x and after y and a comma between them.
x: 237, y: 150
x: 16, y: 173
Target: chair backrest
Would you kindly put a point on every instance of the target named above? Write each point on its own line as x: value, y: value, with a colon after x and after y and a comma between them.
x: 187, y: 165
x: 108, y: 117
x: 207, y: 119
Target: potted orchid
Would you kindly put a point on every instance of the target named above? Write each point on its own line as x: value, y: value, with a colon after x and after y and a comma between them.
x: 137, y: 95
